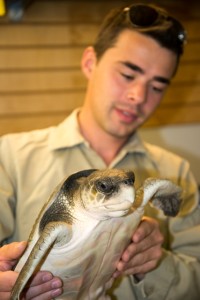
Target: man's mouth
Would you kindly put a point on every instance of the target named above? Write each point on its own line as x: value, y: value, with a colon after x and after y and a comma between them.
x: 126, y: 115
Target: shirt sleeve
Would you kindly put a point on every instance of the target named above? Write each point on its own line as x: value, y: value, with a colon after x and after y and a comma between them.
x: 7, y: 206
x: 178, y: 274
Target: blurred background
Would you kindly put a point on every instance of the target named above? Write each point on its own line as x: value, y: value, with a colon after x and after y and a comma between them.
x: 41, y: 43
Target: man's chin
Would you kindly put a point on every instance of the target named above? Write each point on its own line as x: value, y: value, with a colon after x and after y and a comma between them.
x: 123, y: 134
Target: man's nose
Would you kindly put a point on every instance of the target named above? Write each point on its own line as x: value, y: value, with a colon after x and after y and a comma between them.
x: 137, y: 93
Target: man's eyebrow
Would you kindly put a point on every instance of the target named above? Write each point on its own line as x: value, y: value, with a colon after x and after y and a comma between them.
x: 133, y: 66
x: 162, y: 79
x: 136, y: 68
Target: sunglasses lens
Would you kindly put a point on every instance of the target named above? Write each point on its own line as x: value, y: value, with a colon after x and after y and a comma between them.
x: 143, y: 16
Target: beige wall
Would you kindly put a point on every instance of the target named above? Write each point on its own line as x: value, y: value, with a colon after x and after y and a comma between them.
x: 183, y: 140
x: 40, y: 77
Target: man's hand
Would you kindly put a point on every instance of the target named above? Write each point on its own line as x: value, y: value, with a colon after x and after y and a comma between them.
x: 145, y: 251
x: 43, y: 285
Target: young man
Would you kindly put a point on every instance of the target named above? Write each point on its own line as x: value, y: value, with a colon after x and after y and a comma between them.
x: 133, y: 60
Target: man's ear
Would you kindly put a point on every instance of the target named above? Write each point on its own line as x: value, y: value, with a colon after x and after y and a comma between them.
x: 88, y: 61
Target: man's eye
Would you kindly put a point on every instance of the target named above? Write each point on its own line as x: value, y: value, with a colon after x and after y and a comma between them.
x: 128, y: 77
x: 158, y: 90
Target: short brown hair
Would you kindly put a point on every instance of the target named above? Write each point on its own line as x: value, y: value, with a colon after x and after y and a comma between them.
x: 169, y: 32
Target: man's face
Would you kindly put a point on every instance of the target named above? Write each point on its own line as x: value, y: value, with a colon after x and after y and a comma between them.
x: 128, y: 83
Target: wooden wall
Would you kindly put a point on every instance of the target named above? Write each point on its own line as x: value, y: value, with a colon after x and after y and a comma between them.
x: 40, y: 77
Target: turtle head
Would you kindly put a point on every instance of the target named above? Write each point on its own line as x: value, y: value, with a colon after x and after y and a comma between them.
x: 108, y: 193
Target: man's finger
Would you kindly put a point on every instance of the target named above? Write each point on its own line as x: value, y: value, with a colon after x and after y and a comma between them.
x: 9, y: 254
x: 147, y: 225
x: 44, y: 286
x: 12, y: 251
x: 7, y: 280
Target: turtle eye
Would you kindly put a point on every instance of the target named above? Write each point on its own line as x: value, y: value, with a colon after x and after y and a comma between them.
x: 105, y: 186
x: 129, y: 181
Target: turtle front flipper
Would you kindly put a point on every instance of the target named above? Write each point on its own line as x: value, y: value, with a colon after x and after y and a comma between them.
x: 162, y: 194
x: 54, y: 232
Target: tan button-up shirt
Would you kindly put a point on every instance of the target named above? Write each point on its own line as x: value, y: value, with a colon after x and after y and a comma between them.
x: 33, y: 163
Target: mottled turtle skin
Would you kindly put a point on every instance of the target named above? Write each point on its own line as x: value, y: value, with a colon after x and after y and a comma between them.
x: 85, y: 226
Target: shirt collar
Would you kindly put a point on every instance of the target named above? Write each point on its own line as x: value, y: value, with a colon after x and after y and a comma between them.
x: 67, y: 134
x: 135, y: 144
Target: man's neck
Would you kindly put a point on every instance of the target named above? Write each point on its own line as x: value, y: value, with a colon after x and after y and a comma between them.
x: 104, y: 144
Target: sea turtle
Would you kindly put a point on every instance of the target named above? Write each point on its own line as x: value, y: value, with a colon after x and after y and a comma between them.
x: 85, y: 226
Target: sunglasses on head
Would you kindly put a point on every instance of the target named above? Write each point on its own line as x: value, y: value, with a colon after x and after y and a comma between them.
x: 143, y: 16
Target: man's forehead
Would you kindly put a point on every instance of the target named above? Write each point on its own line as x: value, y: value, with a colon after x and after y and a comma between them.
x: 139, y: 49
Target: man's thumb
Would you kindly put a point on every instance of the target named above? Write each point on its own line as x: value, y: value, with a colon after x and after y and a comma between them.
x: 12, y: 251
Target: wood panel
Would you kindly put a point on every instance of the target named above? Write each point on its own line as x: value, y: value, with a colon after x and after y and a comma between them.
x: 30, y: 103
x: 164, y: 116
x: 186, y: 94
x: 73, y: 11
x: 63, y: 34
x: 188, y: 73
x: 40, y: 77
x: 12, y: 58
x: 82, y: 10
x: 41, y: 80
x: 47, y: 34
x: 40, y: 58
x: 30, y: 122
x: 192, y: 52
x: 175, y: 115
